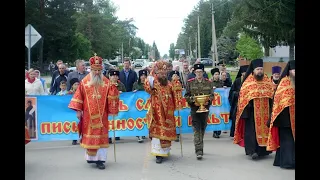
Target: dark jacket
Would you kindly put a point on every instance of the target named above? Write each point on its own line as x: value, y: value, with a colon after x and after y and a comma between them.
x: 128, y: 82
x: 55, y: 82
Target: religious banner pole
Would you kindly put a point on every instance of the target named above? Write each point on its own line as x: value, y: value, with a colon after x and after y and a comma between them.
x: 114, y: 139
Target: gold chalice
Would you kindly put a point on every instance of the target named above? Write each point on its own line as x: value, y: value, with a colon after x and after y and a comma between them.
x: 201, y: 100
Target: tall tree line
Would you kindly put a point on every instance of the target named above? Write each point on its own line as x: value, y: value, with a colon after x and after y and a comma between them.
x: 75, y: 29
x: 270, y: 22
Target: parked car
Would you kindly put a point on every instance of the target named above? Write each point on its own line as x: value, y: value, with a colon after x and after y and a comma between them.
x: 206, y: 61
x: 147, y: 64
x: 139, y: 62
x: 71, y: 69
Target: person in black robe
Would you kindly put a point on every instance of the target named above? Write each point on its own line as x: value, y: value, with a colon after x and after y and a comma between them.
x: 282, y: 121
x: 255, y: 99
x: 275, y: 78
x: 233, y: 96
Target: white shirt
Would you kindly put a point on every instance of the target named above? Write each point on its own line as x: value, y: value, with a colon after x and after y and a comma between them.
x: 35, y: 88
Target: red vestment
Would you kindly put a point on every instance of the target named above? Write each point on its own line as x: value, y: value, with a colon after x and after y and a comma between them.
x: 160, y: 117
x: 260, y: 92
x: 96, y: 102
x: 284, y: 97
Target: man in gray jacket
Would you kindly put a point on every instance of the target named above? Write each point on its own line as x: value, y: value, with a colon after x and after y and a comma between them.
x: 80, y: 73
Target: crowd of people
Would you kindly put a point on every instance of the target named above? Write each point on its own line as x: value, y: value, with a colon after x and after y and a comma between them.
x: 262, y: 108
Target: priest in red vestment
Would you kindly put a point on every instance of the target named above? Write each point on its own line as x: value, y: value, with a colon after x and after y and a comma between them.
x: 282, y: 122
x: 165, y: 99
x: 94, y: 100
x: 254, y: 107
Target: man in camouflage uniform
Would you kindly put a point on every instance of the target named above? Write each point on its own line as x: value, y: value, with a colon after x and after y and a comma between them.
x: 198, y: 86
x: 217, y: 83
x: 114, y: 78
x: 138, y: 86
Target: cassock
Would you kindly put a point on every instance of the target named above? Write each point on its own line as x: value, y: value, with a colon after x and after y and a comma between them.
x: 282, y: 122
x: 275, y: 69
x: 254, y: 105
x: 96, y: 103
x: 233, y: 97
x: 160, y: 116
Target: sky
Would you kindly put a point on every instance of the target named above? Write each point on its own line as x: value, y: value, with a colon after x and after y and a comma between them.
x: 157, y: 20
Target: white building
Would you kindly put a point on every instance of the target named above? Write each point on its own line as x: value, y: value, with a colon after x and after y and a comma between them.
x: 276, y: 53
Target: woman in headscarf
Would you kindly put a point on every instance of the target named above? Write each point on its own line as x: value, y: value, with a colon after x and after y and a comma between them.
x: 33, y: 85
x: 43, y: 81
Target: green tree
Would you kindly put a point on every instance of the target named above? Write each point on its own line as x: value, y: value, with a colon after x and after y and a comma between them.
x: 227, y: 48
x: 82, y: 46
x: 171, y: 51
x: 249, y: 48
x: 156, y: 52
x: 270, y: 22
x: 187, y: 37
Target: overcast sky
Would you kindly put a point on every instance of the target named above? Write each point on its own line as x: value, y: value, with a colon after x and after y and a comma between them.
x: 158, y: 20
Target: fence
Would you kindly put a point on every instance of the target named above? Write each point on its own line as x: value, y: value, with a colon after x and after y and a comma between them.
x: 267, y: 66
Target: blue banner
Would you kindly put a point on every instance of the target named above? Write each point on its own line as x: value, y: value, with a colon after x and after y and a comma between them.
x: 49, y: 118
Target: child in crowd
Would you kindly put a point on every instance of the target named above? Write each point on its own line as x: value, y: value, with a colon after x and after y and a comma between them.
x: 74, y: 83
x: 63, y: 87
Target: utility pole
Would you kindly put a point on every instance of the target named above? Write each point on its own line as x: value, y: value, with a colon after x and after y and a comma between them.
x: 196, y: 47
x: 190, y: 51
x: 122, y: 53
x: 214, y: 41
x: 199, y: 50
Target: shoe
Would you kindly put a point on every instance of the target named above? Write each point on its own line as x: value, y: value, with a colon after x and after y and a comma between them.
x: 74, y: 142
x: 254, y: 156
x: 215, y: 135
x: 101, y: 165
x: 117, y: 138
x: 143, y: 137
x: 110, y: 141
x: 140, y: 140
x: 159, y: 159
x: 177, y: 140
x: 199, y: 155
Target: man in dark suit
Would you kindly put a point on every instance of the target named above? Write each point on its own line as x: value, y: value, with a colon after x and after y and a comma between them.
x: 127, y: 76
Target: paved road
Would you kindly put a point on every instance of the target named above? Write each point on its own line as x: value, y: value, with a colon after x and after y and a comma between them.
x: 222, y: 161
